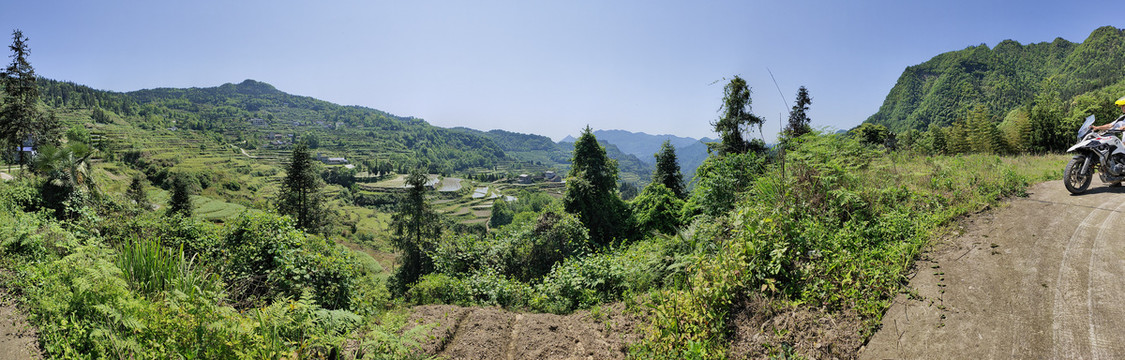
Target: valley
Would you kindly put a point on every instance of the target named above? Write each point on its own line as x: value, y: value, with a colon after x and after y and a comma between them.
x: 240, y: 221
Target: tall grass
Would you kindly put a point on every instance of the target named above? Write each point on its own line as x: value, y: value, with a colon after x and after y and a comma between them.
x: 152, y: 268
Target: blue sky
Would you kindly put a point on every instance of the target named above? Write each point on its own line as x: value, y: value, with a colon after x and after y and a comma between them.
x: 541, y: 67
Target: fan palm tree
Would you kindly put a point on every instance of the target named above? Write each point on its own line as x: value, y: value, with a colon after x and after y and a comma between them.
x: 67, y: 170
x: 65, y: 166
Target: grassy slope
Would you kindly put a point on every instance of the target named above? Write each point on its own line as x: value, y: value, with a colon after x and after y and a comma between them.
x: 831, y: 234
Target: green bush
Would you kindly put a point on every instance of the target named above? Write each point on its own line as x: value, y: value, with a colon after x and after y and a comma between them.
x: 34, y: 237
x: 657, y: 209
x: 19, y: 195
x: 579, y: 283
x: 266, y: 257
x: 485, y: 288
x: 83, y: 308
x: 719, y: 183
x: 526, y: 251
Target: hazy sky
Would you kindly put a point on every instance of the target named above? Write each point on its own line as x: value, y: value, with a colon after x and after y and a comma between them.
x: 539, y: 67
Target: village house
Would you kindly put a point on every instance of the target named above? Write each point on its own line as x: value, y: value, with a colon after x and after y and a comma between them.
x: 331, y: 160
x: 258, y: 122
x: 525, y: 179
x: 26, y: 149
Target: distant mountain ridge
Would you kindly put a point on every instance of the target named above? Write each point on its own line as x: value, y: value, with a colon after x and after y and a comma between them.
x: 1009, y: 75
x: 541, y: 149
x: 690, y: 152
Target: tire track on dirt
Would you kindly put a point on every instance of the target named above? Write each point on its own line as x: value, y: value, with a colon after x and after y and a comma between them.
x: 1066, y: 327
x: 1104, y: 270
x: 1037, y: 277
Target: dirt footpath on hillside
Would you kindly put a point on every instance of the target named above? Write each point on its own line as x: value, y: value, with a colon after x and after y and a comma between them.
x: 18, y: 339
x: 492, y: 333
x: 1040, y: 277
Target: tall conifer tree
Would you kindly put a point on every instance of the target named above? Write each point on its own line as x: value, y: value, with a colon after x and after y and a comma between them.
x: 136, y: 191
x: 180, y: 204
x: 668, y: 170
x: 798, y: 116
x: 300, y: 191
x: 591, y: 191
x: 20, y: 118
x: 416, y: 226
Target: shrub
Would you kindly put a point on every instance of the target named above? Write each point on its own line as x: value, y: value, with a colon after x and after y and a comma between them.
x: 580, y: 282
x: 657, y: 209
x: 266, y: 257
x: 720, y: 181
x: 34, y: 237
x: 485, y: 287
x: 19, y: 195
x: 525, y: 252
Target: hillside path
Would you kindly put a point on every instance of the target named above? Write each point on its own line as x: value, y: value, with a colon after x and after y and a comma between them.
x: 18, y: 339
x: 1041, y: 277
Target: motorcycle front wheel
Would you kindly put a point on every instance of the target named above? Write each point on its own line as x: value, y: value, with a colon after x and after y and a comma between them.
x: 1076, y: 182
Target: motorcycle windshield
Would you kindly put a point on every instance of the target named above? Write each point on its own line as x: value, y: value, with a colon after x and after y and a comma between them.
x: 1085, y: 128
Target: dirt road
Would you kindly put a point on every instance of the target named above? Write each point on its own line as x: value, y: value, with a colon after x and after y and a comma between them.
x: 1041, y: 277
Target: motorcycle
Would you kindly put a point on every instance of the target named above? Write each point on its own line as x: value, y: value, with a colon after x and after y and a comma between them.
x: 1095, y: 150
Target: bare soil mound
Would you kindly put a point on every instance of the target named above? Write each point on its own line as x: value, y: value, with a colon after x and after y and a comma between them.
x: 1040, y: 277
x: 493, y: 333
x: 760, y: 330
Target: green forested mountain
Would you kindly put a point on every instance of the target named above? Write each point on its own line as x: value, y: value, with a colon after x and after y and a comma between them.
x: 526, y: 147
x: 944, y: 89
x: 226, y: 111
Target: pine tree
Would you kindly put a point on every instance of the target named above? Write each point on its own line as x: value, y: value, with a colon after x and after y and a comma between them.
x: 668, y: 170
x: 798, y: 116
x: 737, y: 118
x: 136, y: 191
x: 591, y: 191
x: 300, y: 196
x: 20, y: 118
x: 180, y: 204
x: 416, y: 226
